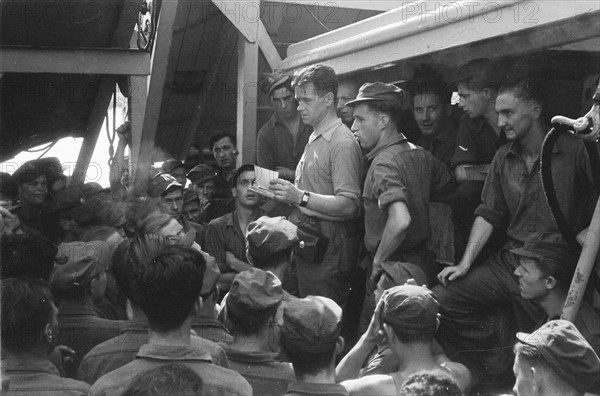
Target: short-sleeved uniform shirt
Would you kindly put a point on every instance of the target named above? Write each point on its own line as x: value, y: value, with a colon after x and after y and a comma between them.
x: 331, y: 165
x: 401, y: 171
x: 476, y: 142
x: 277, y: 146
x: 216, y: 380
x: 39, y: 377
x: 515, y: 197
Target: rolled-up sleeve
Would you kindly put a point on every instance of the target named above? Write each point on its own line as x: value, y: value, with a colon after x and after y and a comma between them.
x: 388, y: 186
x: 493, y: 207
x: 346, y: 170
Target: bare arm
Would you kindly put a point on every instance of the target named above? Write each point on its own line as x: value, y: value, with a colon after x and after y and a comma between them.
x: 480, y: 233
x: 393, y: 235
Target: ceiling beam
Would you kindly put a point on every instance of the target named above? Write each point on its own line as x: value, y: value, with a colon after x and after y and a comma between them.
x: 74, y: 61
x: 267, y: 47
x: 422, y: 35
x: 244, y: 15
x: 370, y: 5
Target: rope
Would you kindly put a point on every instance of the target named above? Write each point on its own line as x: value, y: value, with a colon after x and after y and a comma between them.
x: 111, y: 138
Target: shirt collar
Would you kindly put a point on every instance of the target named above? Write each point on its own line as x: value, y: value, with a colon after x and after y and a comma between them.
x: 173, y: 352
x: 515, y: 148
x: 384, y: 143
x: 234, y: 353
x: 326, y: 127
x: 29, y: 364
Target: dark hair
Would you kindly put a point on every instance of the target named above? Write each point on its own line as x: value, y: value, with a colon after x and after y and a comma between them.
x: 531, y: 355
x: 26, y: 310
x: 167, y: 380
x: 410, y: 338
x: 430, y: 383
x: 26, y: 255
x: 221, y: 135
x: 526, y: 90
x: 307, y: 362
x: 243, y: 168
x: 269, y: 261
x: 127, y: 258
x: 560, y: 271
x: 321, y: 76
x: 259, y: 324
x: 389, y: 107
x: 435, y: 87
x: 168, y: 286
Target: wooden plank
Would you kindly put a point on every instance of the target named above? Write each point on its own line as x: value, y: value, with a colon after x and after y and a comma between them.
x: 220, y: 51
x: 161, y: 54
x: 267, y: 47
x: 74, y: 61
x: 106, y: 87
x: 247, y: 100
x: 139, y: 98
x: 370, y: 5
x: 386, y: 46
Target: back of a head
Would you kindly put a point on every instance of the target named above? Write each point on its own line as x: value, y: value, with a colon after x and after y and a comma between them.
x: 166, y: 380
x: 479, y: 74
x: 127, y: 258
x: 169, y: 285
x: 26, y: 310
x: 322, y: 77
x: 430, y: 383
x: 310, y: 332
x: 270, y: 241
x: 26, y: 255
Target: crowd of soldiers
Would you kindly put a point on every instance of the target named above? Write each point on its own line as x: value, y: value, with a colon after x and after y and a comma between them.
x: 324, y: 282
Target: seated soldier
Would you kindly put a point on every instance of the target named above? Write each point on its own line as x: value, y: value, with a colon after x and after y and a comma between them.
x: 78, y: 281
x: 247, y: 312
x: 167, y: 287
x: 226, y: 236
x: 545, y: 271
x: 168, y: 192
x: 555, y: 360
x: 311, y: 339
x: 167, y: 380
x: 122, y: 349
x: 29, y: 330
x: 204, y: 183
x: 176, y: 169
x: 407, y: 316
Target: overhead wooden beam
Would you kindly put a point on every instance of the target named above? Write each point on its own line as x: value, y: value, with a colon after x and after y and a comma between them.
x: 247, y: 98
x: 267, y: 47
x: 210, y: 80
x: 160, y: 58
x: 74, y: 61
x: 370, y: 5
x: 244, y: 15
x: 446, y: 29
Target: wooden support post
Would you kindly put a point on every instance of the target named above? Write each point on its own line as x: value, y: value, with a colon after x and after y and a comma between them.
x: 106, y: 87
x: 247, y: 100
x: 138, y: 86
x: 143, y: 150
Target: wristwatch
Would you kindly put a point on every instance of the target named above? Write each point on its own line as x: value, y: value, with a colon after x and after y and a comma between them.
x: 305, y: 198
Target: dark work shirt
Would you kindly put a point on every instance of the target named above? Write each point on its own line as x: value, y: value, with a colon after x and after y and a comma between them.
x: 81, y: 329
x: 224, y: 235
x: 401, y: 171
x: 277, y: 146
x: 442, y: 144
x: 118, y: 351
x: 514, y: 196
x: 211, y: 329
x: 476, y: 142
x: 308, y: 388
x: 39, y: 377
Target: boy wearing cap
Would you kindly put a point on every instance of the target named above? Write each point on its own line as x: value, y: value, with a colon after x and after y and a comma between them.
x: 513, y: 199
x: 122, y: 349
x: 204, y: 183
x: 282, y: 139
x: 407, y: 316
x: 310, y: 337
x: 248, y: 312
x: 399, y: 183
x: 168, y: 192
x: 326, y: 189
x: 555, y: 360
x: 29, y: 331
x: 545, y: 271
x: 176, y: 169
x: 78, y: 281
x: 168, y: 288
